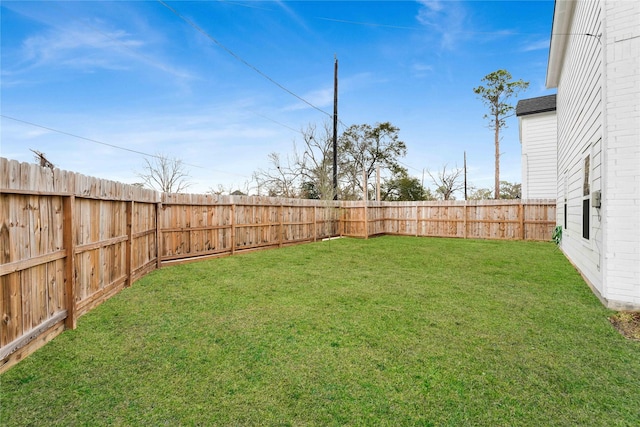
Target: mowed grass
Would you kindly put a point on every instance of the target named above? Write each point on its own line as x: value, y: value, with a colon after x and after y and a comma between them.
x: 389, y: 331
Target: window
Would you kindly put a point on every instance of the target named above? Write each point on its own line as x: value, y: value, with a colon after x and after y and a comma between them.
x: 565, y: 200
x: 585, y: 185
x: 586, y: 211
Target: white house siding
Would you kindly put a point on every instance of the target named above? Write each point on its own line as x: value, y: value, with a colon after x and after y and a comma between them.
x: 621, y: 207
x: 580, y: 124
x: 598, y: 107
x: 538, y: 135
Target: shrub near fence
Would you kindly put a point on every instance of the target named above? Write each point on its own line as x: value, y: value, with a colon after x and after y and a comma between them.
x: 68, y: 242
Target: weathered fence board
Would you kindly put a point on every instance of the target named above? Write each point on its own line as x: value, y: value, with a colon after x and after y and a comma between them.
x: 68, y: 242
x: 478, y: 219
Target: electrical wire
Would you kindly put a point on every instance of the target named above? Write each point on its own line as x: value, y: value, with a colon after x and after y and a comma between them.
x: 147, y: 58
x: 164, y: 68
x: 237, y: 57
x: 275, y: 121
x: 409, y: 166
x: 400, y: 27
x: 151, y: 60
x: 111, y: 145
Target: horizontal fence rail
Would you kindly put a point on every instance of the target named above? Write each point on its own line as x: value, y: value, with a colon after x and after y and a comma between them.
x: 68, y: 242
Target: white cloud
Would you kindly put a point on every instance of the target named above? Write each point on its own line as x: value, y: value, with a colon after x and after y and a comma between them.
x: 447, y: 19
x: 421, y: 70
x: 536, y: 45
x: 78, y: 48
x: 86, y: 46
x: 321, y: 98
x: 431, y: 5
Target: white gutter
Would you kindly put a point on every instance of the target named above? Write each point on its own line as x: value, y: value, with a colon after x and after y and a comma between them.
x: 560, y: 33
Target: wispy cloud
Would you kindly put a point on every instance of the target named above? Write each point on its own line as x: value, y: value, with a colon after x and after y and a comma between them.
x: 446, y: 18
x: 293, y: 15
x: 451, y: 22
x: 536, y: 45
x: 77, y: 48
x: 66, y: 39
x: 323, y: 97
x: 421, y: 70
x: 89, y: 49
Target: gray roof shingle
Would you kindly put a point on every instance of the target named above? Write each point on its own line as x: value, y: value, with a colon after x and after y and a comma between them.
x: 536, y: 105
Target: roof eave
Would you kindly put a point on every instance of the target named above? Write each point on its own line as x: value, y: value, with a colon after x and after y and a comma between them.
x: 562, y: 15
x: 543, y: 110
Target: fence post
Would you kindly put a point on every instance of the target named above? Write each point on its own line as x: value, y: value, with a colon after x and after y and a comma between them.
x: 158, y: 236
x: 281, y: 227
x: 129, y: 243
x: 315, y: 223
x: 465, y: 219
x: 366, y: 220
x: 365, y: 197
x: 233, y: 228
x: 68, y: 238
x: 521, y: 217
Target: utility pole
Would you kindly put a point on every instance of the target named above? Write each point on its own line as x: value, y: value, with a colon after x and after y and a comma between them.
x: 365, y: 195
x: 465, y: 175
x: 335, y: 130
x: 377, y: 183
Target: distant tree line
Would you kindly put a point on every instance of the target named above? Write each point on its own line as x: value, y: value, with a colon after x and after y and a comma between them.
x: 307, y: 172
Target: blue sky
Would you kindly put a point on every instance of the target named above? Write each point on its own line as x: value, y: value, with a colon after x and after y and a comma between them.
x: 136, y: 75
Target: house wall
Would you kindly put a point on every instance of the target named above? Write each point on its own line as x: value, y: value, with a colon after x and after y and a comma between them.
x: 580, y: 133
x: 538, y: 136
x: 598, y: 106
x: 621, y: 207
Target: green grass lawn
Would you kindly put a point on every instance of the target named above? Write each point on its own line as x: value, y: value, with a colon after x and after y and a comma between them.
x: 388, y: 331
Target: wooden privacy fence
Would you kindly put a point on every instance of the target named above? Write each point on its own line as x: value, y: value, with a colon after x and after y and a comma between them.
x: 68, y: 242
x: 475, y: 219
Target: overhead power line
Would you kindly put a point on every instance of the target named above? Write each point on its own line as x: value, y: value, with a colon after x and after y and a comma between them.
x: 421, y: 28
x: 275, y: 121
x: 142, y: 153
x: 149, y: 59
x: 237, y: 57
x: 409, y: 166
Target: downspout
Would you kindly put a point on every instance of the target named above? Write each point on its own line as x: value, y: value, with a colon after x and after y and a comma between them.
x: 604, y: 167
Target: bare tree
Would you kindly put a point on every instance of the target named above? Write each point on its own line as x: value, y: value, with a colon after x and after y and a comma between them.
x: 309, y: 172
x: 42, y: 160
x: 447, y: 182
x: 315, y: 162
x: 280, y: 180
x: 165, y: 174
x: 229, y: 190
x: 220, y: 190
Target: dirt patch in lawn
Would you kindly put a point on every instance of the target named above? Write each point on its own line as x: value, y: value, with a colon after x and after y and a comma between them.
x: 628, y: 323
